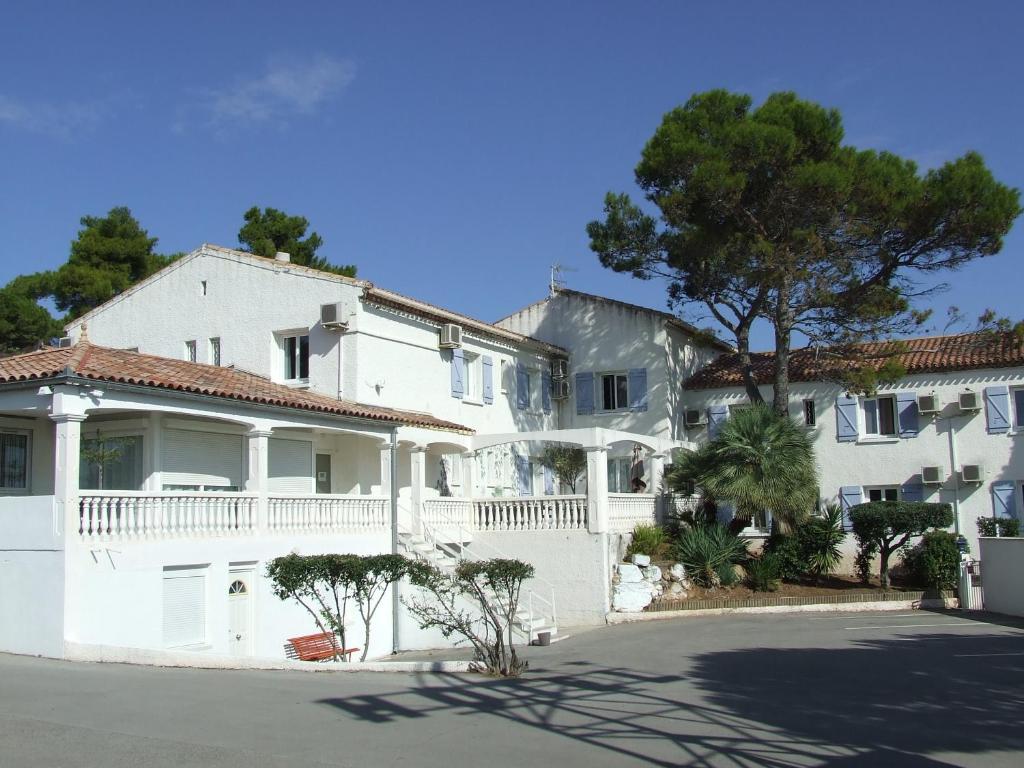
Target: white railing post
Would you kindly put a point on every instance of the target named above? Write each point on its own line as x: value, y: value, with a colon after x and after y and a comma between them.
x: 597, y: 489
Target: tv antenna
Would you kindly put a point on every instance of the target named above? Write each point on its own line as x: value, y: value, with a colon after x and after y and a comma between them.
x: 556, y: 277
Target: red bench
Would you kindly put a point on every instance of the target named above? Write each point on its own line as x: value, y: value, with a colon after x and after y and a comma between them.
x: 319, y: 647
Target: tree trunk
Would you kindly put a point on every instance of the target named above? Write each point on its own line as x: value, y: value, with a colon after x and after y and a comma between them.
x: 883, y: 568
x: 747, y: 364
x: 783, y: 338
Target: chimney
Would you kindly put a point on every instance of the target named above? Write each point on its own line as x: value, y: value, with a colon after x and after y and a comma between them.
x: 282, y: 256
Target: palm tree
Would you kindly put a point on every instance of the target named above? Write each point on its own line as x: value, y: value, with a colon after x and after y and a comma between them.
x: 759, y: 461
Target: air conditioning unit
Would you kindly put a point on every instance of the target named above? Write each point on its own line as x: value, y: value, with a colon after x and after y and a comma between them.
x: 63, y: 341
x: 559, y: 368
x: 559, y: 389
x: 932, y: 475
x: 334, y: 316
x: 695, y: 419
x: 928, y: 403
x: 971, y: 473
x: 451, y: 336
x: 970, y: 401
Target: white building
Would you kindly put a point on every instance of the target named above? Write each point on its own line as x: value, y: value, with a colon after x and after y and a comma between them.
x: 951, y: 430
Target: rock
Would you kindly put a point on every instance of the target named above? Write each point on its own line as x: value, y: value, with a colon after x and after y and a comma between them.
x: 652, y: 573
x: 677, y: 572
x: 642, y: 560
x: 676, y: 589
x: 629, y: 574
x: 686, y: 584
x: 631, y: 596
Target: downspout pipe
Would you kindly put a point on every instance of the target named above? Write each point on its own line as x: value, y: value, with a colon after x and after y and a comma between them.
x: 955, y: 470
x: 396, y: 602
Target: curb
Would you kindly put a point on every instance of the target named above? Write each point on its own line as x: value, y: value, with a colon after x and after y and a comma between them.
x: 853, y: 607
x: 106, y: 654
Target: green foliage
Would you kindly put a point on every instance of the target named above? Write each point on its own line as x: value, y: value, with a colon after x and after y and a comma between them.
x: 567, y: 462
x: 371, y: 575
x: 23, y: 321
x: 759, y: 461
x: 998, y: 526
x: 647, y: 540
x: 266, y: 232
x: 812, y: 549
x: 493, y: 588
x: 763, y: 573
x: 935, y: 560
x: 883, y: 527
x: 764, y: 214
x: 709, y: 553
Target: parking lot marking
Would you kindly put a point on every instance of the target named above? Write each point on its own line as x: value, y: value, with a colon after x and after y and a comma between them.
x: 964, y: 624
x: 979, y: 655
x: 869, y: 616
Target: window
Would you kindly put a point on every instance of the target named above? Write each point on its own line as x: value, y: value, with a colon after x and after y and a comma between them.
x: 619, y: 475
x: 473, y: 385
x: 1018, y: 407
x: 880, y: 416
x: 190, y: 351
x: 525, y: 389
x: 110, y: 463
x: 296, y: 357
x: 215, y: 350
x: 178, y: 488
x: 505, y: 368
x: 184, y: 607
x: 614, y: 391
x: 810, y: 416
x: 13, y: 461
x: 883, y: 493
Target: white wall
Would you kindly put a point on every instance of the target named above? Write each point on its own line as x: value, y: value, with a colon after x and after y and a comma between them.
x: 31, y: 577
x: 1002, y: 575
x: 898, y: 461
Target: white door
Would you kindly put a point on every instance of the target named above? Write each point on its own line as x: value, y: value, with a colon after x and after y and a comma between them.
x: 240, y: 612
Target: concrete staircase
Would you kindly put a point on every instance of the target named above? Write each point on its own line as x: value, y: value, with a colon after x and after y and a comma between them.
x: 446, y: 556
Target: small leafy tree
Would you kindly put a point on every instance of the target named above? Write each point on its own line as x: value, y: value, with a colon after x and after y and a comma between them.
x: 566, y: 461
x: 935, y: 560
x: 882, y: 527
x: 371, y: 577
x: 492, y: 588
x: 322, y: 584
x: 998, y: 526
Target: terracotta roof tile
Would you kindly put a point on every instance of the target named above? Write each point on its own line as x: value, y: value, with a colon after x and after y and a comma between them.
x: 86, y: 360
x: 929, y: 354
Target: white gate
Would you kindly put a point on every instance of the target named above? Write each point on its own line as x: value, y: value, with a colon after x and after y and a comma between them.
x: 972, y: 595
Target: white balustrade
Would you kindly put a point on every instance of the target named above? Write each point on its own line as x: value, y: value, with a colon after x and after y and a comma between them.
x: 132, y: 514
x: 530, y: 513
x: 447, y: 511
x: 626, y: 510
x: 328, y: 513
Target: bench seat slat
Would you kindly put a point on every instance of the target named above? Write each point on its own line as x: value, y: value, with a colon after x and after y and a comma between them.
x: 319, y: 647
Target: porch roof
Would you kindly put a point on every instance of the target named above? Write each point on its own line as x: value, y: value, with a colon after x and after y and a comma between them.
x: 86, y: 360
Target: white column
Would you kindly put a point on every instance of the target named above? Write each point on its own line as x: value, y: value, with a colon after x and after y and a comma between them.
x: 155, y: 444
x: 469, y: 475
x: 597, y: 489
x: 67, y: 447
x: 258, y: 472
x: 657, y: 476
x: 418, y: 485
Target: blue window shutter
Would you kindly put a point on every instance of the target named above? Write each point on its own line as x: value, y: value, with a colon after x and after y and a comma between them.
x: 549, y: 482
x: 1004, y: 502
x: 488, y: 370
x: 906, y: 413
x: 997, y: 409
x: 522, y: 387
x: 523, y: 474
x: 849, y: 496
x: 912, y: 492
x: 637, y: 389
x: 545, y: 391
x: 717, y: 415
x: 458, y: 373
x: 584, y: 394
x: 846, y: 419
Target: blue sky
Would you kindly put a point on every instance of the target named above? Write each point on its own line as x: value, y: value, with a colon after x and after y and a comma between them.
x: 455, y: 150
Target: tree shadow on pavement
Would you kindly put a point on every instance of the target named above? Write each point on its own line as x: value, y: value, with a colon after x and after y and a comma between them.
x: 881, y: 702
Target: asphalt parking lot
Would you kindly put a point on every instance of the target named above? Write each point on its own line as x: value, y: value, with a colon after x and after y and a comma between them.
x: 897, y: 688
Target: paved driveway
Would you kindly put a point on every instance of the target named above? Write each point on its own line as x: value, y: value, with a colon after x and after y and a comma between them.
x: 907, y: 689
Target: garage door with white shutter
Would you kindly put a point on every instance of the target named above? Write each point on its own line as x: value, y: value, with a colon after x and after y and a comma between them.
x: 193, y: 458
x: 290, y: 466
x: 184, y: 607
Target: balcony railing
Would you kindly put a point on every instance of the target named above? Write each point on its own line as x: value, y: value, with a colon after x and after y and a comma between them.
x: 626, y: 510
x: 129, y: 514
x: 328, y: 513
x: 530, y: 513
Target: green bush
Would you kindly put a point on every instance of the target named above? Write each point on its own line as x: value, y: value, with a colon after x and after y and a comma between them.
x: 647, y: 540
x: 883, y: 527
x: 934, y: 561
x: 999, y: 526
x: 709, y: 552
x: 763, y: 573
x: 812, y: 549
